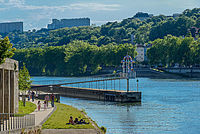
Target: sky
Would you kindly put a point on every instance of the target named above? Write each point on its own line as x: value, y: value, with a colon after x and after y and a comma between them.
x: 37, y: 14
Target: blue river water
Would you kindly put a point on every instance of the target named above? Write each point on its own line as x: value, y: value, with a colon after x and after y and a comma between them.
x: 168, y: 106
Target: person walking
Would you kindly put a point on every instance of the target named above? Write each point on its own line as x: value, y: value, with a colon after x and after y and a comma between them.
x: 47, y: 100
x: 39, y: 105
x: 36, y: 95
x: 52, y: 99
x: 33, y: 96
x: 45, y: 105
x: 29, y: 95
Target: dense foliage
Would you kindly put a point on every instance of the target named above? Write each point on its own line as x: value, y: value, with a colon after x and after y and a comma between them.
x: 24, y: 79
x: 75, y: 58
x: 113, y: 32
x: 6, y: 50
x: 175, y: 50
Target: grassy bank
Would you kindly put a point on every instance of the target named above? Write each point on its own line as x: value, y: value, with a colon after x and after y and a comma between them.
x: 29, y: 108
x: 61, y: 116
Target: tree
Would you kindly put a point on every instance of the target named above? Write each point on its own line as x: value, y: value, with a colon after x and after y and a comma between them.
x: 24, y: 80
x: 172, y: 50
x: 6, y: 50
x: 142, y: 34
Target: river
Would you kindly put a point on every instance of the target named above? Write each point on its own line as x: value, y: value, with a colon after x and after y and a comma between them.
x: 168, y: 106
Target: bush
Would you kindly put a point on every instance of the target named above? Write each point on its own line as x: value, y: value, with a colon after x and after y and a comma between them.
x: 103, y: 129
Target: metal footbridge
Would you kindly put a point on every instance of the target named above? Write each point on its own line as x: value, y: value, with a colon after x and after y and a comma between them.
x: 106, y: 82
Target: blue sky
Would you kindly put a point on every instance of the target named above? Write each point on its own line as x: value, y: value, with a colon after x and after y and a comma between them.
x: 38, y: 13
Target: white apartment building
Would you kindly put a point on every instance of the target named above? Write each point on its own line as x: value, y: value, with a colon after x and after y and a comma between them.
x: 140, y: 52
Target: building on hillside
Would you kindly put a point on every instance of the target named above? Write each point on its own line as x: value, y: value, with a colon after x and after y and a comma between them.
x: 56, y: 24
x: 11, y: 27
x: 9, y: 86
x: 142, y: 52
x: 142, y: 16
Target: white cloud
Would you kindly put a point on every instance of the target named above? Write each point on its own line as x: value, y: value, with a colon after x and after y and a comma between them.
x: 95, y: 6
x: 16, y: 3
x: 30, y: 7
x: 12, y: 20
x: 75, y: 6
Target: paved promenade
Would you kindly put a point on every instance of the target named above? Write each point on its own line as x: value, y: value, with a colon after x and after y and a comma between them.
x: 43, y: 114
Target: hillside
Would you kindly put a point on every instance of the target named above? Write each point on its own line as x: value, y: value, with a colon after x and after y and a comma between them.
x: 112, y: 32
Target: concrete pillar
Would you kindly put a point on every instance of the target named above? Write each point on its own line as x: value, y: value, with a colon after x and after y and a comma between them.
x: 12, y: 91
x: 6, y: 91
x: 1, y: 90
x: 9, y: 86
x: 16, y: 92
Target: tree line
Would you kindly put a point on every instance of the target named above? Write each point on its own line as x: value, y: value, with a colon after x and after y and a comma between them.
x: 74, y: 59
x: 175, y: 50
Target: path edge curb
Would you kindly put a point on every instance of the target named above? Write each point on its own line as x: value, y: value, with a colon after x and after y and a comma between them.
x: 45, y: 119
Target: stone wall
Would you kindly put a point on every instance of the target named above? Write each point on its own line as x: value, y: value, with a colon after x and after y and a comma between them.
x: 9, y: 86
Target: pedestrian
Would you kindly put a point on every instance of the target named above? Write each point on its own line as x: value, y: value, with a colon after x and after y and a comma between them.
x: 36, y: 95
x: 33, y: 96
x: 39, y: 105
x: 29, y: 95
x: 52, y: 99
x: 47, y: 99
x: 45, y: 105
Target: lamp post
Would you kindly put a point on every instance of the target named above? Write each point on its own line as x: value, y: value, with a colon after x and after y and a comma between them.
x: 137, y: 84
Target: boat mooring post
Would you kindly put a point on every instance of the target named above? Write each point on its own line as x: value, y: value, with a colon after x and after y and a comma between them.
x: 137, y: 84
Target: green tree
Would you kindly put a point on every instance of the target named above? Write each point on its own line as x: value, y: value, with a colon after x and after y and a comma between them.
x: 6, y: 50
x: 24, y: 81
x: 171, y: 50
x: 142, y: 34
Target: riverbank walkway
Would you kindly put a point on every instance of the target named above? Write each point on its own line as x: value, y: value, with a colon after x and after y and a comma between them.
x: 42, y: 115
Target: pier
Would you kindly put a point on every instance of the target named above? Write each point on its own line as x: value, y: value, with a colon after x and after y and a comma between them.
x: 102, y: 88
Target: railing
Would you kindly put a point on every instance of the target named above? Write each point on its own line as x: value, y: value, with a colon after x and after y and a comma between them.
x: 16, y: 121
x: 130, y: 75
